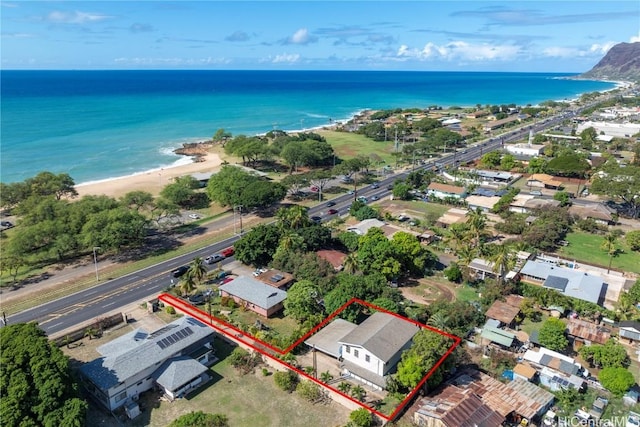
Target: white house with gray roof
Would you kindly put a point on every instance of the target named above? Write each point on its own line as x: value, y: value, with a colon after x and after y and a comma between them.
x: 173, y: 357
x: 570, y: 282
x: 369, y: 351
x: 254, y: 295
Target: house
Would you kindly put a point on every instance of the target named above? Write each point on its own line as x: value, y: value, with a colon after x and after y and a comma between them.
x: 482, y: 268
x: 362, y: 227
x: 629, y: 330
x: 485, y: 204
x: 525, y: 150
x: 503, y: 312
x: 618, y: 130
x: 276, y: 278
x: 369, y: 351
x: 596, y: 211
x: 568, y: 281
x: 542, y: 180
x: 455, y: 407
x: 442, y: 191
x: 172, y: 358
x: 581, y: 331
x: 478, y: 114
x: 556, y: 380
x: 514, y: 401
x: 452, y: 216
x: 333, y: 257
x: 492, y: 334
x: 489, y: 126
x: 525, y: 372
x: 494, y: 177
x: 254, y: 295
x: 526, y: 203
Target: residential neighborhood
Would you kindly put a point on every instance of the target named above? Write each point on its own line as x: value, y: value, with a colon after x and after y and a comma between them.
x: 468, y: 284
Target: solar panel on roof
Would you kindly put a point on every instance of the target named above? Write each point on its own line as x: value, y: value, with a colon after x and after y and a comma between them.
x: 171, y: 339
x: 565, y: 382
x: 188, y: 330
x: 161, y: 345
x: 181, y: 333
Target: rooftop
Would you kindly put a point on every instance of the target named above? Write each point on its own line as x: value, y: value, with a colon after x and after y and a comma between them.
x: 446, y: 188
x: 503, y: 312
x: 254, y: 292
x: 571, y: 282
x: 497, y: 335
x: 275, y: 278
x: 382, y: 334
x: 588, y: 331
x: 459, y: 408
x: 327, y: 339
x: 525, y: 370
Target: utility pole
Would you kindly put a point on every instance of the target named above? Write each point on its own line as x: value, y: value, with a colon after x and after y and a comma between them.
x: 95, y: 261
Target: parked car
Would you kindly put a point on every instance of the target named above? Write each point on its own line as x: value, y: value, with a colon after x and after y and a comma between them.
x: 228, y: 252
x: 259, y: 271
x: 6, y: 224
x: 196, y: 299
x: 535, y: 193
x: 314, y: 188
x: 212, y: 259
x: 194, y: 216
x: 332, y: 211
x: 403, y: 217
x: 180, y: 271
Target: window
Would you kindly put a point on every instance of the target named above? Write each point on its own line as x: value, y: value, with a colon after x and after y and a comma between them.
x: 367, y: 358
x: 347, y: 349
x: 355, y: 352
x: 121, y: 396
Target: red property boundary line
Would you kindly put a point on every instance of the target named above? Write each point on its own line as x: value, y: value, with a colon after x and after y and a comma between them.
x: 250, y: 341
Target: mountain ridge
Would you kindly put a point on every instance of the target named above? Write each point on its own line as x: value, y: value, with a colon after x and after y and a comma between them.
x: 621, y: 62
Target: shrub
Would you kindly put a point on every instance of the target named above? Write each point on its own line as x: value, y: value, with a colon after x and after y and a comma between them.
x: 265, y: 372
x: 309, y: 390
x: 244, y: 361
x: 633, y: 240
x: 453, y: 273
x: 286, y: 380
x: 361, y: 418
x: 170, y: 310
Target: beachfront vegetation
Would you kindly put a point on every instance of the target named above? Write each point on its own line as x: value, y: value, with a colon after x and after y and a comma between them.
x: 233, y: 186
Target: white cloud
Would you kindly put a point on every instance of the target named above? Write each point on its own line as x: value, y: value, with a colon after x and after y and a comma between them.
x: 76, y: 17
x: 601, y: 48
x: 18, y: 35
x: 460, y: 50
x: 286, y: 57
x: 301, y: 36
x: 146, y: 61
x: 561, y: 52
x: 635, y: 39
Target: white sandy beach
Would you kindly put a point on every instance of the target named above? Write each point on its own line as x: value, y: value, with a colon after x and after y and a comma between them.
x: 151, y: 181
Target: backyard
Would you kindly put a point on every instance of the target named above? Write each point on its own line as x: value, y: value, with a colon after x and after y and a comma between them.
x: 348, y: 145
x: 585, y: 247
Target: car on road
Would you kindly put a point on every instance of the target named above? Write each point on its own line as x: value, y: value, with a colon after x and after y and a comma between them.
x: 332, y: 211
x: 375, y: 197
x: 316, y: 219
x: 180, y: 271
x: 363, y: 199
x: 329, y: 204
x: 228, y: 252
x: 194, y: 216
x: 350, y: 192
x: 375, y: 185
x: 212, y: 259
x: 535, y: 193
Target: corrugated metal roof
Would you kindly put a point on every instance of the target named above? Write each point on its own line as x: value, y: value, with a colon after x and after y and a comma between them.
x: 499, y: 336
x: 254, y: 292
x: 588, y: 331
x: 502, y: 311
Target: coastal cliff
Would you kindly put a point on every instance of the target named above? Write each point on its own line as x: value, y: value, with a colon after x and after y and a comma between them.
x: 197, y: 150
x: 622, y: 62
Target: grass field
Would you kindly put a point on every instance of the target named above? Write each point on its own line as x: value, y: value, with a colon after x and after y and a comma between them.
x: 585, y: 247
x: 348, y: 145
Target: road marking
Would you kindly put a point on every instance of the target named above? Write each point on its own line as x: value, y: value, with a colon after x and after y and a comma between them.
x: 107, y: 305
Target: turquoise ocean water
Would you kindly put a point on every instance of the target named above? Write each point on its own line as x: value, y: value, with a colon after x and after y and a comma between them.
x: 97, y: 125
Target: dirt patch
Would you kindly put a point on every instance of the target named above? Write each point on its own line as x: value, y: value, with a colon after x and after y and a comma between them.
x: 425, y: 291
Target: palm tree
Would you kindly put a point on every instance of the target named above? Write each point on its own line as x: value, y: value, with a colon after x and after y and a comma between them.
x: 477, y: 221
x: 456, y: 235
x: 344, y: 387
x: 466, y: 255
x: 609, y: 245
x: 503, y: 260
x: 358, y: 392
x: 197, y: 270
x: 326, y: 376
x: 293, y: 217
x: 187, y: 284
x: 439, y: 321
x: 350, y: 264
x: 291, y: 241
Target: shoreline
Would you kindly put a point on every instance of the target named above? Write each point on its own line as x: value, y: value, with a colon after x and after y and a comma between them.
x: 152, y: 180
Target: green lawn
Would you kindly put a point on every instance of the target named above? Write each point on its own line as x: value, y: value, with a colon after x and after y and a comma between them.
x: 528, y: 326
x: 585, y: 247
x: 348, y: 145
x: 467, y: 293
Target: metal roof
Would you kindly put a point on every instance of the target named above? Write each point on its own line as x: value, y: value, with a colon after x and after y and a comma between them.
x: 327, y: 339
x: 178, y: 371
x: 254, y: 292
x: 555, y: 282
x: 497, y: 335
x: 169, y: 341
x: 580, y: 285
x: 502, y: 311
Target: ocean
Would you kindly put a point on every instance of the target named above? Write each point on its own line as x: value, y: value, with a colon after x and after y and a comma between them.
x: 96, y: 125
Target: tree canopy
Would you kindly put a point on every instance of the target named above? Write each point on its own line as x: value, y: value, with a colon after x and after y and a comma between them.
x: 552, y: 334
x: 233, y: 186
x: 200, y: 419
x: 616, y: 379
x: 36, y: 382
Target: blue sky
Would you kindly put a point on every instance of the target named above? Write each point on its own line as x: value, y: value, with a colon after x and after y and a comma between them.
x: 551, y: 36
